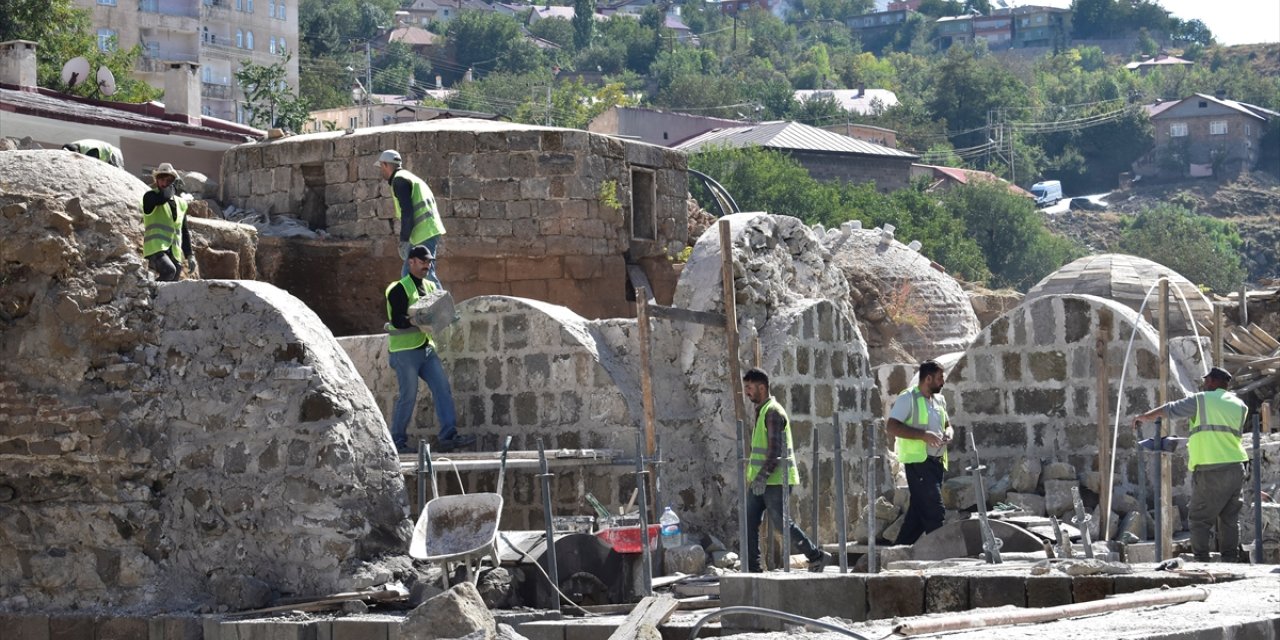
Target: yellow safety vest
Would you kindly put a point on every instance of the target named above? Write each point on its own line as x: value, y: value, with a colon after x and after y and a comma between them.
x: 162, y: 231
x: 411, y: 337
x: 107, y: 152
x: 760, y: 447
x: 1216, y: 429
x: 426, y: 217
x: 910, y: 450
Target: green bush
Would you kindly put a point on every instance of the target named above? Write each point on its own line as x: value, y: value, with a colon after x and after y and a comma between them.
x: 1204, y: 250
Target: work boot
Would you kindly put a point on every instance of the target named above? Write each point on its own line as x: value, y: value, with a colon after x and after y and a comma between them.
x: 456, y: 442
x: 817, y: 565
x: 405, y: 449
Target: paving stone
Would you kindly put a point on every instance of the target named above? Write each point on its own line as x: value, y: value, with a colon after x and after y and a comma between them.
x: 175, y: 628
x: 997, y: 591
x: 1087, y: 588
x: 32, y: 626
x: 1048, y: 591
x: 890, y: 596
x: 946, y: 593
x: 365, y: 629
x: 72, y: 628
x: 123, y: 628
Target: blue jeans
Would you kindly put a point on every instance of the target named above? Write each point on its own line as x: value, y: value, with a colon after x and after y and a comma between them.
x: 409, y: 366
x: 431, y: 272
x: 771, y: 503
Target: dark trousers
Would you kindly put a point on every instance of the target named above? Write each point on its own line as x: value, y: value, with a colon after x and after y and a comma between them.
x: 924, y: 514
x: 162, y: 263
x: 1215, y: 504
x: 771, y: 503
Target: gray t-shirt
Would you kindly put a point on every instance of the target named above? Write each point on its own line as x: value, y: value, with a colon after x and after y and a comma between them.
x: 936, y: 405
x: 1184, y: 408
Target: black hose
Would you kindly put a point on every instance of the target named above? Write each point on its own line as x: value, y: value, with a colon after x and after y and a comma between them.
x: 772, y: 613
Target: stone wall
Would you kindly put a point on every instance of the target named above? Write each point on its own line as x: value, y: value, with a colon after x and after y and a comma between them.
x: 526, y: 208
x: 1027, y: 387
x: 887, y: 173
x: 169, y: 446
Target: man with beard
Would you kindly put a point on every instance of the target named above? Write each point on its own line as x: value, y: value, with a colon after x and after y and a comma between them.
x: 920, y: 423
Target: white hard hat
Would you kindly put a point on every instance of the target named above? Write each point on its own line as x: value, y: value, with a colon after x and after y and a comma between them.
x: 390, y: 156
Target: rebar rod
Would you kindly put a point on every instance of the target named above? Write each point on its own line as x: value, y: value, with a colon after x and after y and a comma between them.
x: 553, y: 571
x: 843, y: 529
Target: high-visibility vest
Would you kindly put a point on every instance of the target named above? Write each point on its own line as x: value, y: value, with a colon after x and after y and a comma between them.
x: 910, y: 450
x: 1216, y: 429
x: 107, y: 152
x: 162, y: 231
x: 426, y: 217
x: 760, y: 447
x: 411, y: 337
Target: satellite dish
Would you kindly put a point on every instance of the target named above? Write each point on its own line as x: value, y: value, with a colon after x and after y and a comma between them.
x: 106, y: 81
x: 75, y: 71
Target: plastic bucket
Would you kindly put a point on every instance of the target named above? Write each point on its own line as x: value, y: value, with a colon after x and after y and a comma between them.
x: 628, y: 539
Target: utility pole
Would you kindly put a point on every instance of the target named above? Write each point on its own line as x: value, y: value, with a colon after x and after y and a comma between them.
x: 735, y: 31
x: 368, y: 85
x: 548, y: 105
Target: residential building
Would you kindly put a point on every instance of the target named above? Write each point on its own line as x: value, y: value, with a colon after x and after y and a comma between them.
x: 733, y: 7
x: 867, y: 133
x: 996, y: 30
x: 1204, y: 135
x: 146, y: 134
x: 663, y: 128
x: 825, y: 155
x: 943, y: 178
x: 862, y: 101
x: 1035, y: 26
x: 904, y: 5
x: 879, y: 21
x: 1162, y: 61
x: 215, y: 34
x: 953, y: 30
x: 424, y: 12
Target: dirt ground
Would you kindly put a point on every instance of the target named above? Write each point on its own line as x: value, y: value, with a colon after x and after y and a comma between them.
x: 1251, y: 202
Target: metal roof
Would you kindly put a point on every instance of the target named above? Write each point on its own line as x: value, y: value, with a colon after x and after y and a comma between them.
x: 789, y: 136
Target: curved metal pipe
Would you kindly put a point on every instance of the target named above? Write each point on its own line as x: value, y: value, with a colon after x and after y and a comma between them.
x: 771, y: 613
x: 717, y: 188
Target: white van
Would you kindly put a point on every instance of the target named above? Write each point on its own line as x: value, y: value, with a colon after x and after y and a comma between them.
x: 1047, y: 192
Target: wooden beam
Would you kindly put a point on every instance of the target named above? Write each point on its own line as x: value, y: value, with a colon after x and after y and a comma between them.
x: 1217, y: 335
x: 677, y: 314
x: 1164, y: 546
x: 651, y: 612
x: 1263, y: 337
x: 639, y: 281
x: 731, y: 321
x: 1265, y: 427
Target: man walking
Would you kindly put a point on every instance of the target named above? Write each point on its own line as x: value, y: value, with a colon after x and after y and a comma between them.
x: 415, y: 209
x: 922, y: 427
x: 770, y: 440
x: 166, y: 244
x: 1215, y: 456
x: 413, y: 356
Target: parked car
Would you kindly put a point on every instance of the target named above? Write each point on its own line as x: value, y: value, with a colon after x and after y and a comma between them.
x: 1047, y: 192
x: 1085, y: 204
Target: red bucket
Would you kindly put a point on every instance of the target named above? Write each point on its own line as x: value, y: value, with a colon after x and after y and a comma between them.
x: 627, y: 539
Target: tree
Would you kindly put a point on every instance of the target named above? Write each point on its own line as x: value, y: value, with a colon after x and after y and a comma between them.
x: 1204, y: 250
x: 557, y: 30
x: 584, y: 18
x: 270, y: 101
x: 492, y: 41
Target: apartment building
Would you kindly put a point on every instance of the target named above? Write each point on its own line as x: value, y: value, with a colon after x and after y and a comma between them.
x: 216, y: 34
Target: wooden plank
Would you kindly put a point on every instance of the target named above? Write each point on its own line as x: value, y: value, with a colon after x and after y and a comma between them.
x: 651, y: 612
x: 677, y: 314
x: 1164, y: 546
x: 731, y: 321
x: 329, y: 602
x: 700, y: 602
x: 1256, y: 346
x: 1103, y: 400
x: 1266, y: 417
x: 639, y: 281
x: 689, y: 589
x: 1263, y: 336
x: 1217, y: 335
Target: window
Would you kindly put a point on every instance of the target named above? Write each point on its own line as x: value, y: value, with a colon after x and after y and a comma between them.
x: 1204, y: 104
x: 109, y: 3
x: 280, y: 46
x: 280, y: 12
x: 248, y: 6
x: 1177, y: 129
x: 271, y: 8
x: 353, y: 122
x: 1218, y: 128
x: 248, y: 40
x: 239, y: 5
x: 644, y: 195
x: 106, y: 39
x: 271, y: 44
x: 239, y: 39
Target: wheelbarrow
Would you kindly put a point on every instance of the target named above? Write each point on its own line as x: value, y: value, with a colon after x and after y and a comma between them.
x: 461, y: 528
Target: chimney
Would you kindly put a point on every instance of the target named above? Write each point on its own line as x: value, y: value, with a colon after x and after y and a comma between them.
x: 18, y: 64
x: 862, y: 89
x: 1220, y: 94
x: 182, y: 92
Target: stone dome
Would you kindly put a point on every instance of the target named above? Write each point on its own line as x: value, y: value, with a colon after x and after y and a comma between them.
x: 1126, y: 279
x: 903, y: 304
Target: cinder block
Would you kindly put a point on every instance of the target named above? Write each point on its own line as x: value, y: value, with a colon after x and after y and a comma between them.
x: 549, y: 630
x: 25, y: 625
x: 1048, y: 591
x: 1088, y: 588
x: 122, y: 629
x: 71, y: 628
x: 175, y: 628
x: 364, y: 629
x: 943, y: 593
x: 997, y: 591
x: 894, y: 596
x: 1142, y: 582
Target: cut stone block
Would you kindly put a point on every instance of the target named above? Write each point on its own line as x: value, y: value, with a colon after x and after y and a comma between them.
x: 1025, y: 475
x: 1057, y: 496
x: 959, y: 492
x: 1088, y: 588
x: 1059, y: 471
x: 1030, y: 502
x: 946, y: 593
x: 1048, y: 591
x: 997, y: 591
x: 890, y: 596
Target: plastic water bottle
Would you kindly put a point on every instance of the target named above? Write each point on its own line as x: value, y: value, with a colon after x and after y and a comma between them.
x: 671, y: 536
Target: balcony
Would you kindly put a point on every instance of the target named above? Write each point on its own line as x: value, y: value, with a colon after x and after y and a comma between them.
x: 158, y: 63
x: 215, y: 91
x: 168, y: 21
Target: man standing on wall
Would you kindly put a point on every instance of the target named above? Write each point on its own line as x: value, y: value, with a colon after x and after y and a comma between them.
x: 166, y: 244
x: 919, y: 422
x: 415, y: 210
x: 770, y: 439
x: 1215, y: 456
x: 413, y: 356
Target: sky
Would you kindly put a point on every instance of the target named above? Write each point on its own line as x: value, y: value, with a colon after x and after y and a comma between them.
x: 1231, y: 21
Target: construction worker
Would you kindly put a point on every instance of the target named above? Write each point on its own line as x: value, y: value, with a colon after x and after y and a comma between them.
x: 919, y: 422
x: 103, y: 151
x: 1214, y: 455
x: 415, y: 209
x: 770, y: 441
x: 413, y: 356
x: 166, y: 244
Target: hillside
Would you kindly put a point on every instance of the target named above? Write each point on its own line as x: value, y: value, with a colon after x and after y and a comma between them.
x: 1262, y: 58
x: 1251, y: 202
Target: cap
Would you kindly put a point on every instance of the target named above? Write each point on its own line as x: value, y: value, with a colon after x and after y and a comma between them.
x: 1219, y: 373
x: 165, y: 169
x: 421, y: 252
x: 390, y: 156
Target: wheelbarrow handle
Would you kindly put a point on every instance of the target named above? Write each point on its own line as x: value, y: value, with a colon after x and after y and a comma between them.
x: 502, y: 465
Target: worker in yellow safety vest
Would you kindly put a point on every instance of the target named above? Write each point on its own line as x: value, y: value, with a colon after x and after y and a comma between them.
x: 166, y: 244
x: 922, y: 427
x: 770, y: 443
x: 1215, y: 456
x: 415, y: 209
x: 103, y: 151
